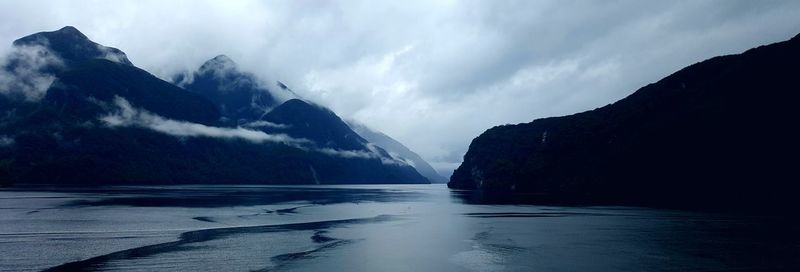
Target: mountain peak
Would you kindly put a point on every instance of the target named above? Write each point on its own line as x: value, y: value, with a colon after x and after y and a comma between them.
x: 219, y: 63
x: 222, y: 58
x: 296, y: 103
x: 72, y: 46
x: 71, y: 30
x: 45, y: 38
x: 239, y: 96
x: 295, y: 106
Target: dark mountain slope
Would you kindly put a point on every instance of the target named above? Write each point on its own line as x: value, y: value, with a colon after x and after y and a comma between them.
x: 332, y: 136
x: 717, y: 133
x: 102, y: 80
x: 104, y: 122
x: 238, y: 95
x: 72, y: 46
x: 315, y: 123
x: 103, y: 156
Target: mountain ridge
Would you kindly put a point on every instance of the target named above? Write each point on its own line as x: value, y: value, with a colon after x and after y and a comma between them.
x: 238, y: 96
x: 72, y: 46
x: 693, y: 135
x: 103, y: 121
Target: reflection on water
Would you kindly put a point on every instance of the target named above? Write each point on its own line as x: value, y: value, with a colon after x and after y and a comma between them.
x: 368, y: 228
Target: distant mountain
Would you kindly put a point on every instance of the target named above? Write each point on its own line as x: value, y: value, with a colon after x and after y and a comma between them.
x: 245, y: 101
x: 331, y: 136
x: 302, y: 119
x: 72, y: 47
x: 717, y: 133
x: 239, y: 96
x: 102, y: 121
x: 398, y: 149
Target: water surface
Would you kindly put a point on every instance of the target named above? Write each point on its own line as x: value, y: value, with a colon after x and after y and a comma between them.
x: 369, y: 228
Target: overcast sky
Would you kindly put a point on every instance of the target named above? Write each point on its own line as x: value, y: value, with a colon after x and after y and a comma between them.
x: 432, y: 74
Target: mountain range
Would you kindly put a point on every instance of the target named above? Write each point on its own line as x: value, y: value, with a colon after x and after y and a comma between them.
x: 74, y: 112
x: 719, y: 133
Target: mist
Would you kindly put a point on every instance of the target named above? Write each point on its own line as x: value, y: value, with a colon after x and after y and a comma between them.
x: 26, y: 76
x: 125, y: 114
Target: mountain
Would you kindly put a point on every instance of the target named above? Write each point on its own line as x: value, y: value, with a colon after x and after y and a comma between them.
x: 245, y: 101
x: 717, y: 133
x: 399, y: 150
x: 304, y: 120
x: 78, y: 91
x: 103, y: 121
x: 72, y: 47
x: 301, y: 119
x: 239, y: 96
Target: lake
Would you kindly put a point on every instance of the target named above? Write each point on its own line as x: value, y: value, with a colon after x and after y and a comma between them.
x: 369, y: 228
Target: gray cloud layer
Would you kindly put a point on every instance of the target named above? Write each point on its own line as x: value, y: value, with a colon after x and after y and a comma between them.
x: 432, y: 74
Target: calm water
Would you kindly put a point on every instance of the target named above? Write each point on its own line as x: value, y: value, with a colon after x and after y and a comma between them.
x: 369, y: 228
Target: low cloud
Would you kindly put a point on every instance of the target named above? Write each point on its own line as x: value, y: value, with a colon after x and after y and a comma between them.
x: 6, y: 141
x: 225, y: 70
x: 23, y: 72
x: 221, y: 66
x: 261, y: 124
x: 126, y: 115
x: 113, y: 55
x: 371, y: 153
x: 346, y: 153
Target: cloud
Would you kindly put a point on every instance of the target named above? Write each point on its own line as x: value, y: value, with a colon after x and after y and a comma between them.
x: 372, y: 152
x: 346, y: 153
x: 112, y: 55
x: 433, y: 74
x: 6, y: 141
x: 382, y: 154
x: 23, y: 72
x: 400, y: 158
x: 126, y: 115
x: 261, y: 123
x: 221, y: 66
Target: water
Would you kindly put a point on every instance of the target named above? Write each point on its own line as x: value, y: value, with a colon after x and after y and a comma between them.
x: 369, y: 228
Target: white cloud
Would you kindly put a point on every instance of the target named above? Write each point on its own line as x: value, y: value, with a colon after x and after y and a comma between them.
x: 6, y: 141
x: 112, y: 55
x: 126, y: 115
x: 262, y: 123
x: 23, y: 72
x: 347, y: 153
x: 372, y: 152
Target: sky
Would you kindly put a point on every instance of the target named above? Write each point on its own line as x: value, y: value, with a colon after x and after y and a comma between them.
x: 431, y: 74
